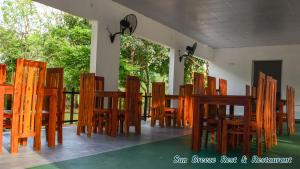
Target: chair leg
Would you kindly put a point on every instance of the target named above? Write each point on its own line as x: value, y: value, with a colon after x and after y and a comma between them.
x: 60, y: 131
x: 23, y: 142
x: 122, y: 126
x: 89, y: 130
x: 206, y: 138
x: 153, y: 118
x: 14, y: 144
x: 224, y: 138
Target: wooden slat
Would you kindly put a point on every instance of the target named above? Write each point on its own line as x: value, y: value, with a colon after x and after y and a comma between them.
x: 158, y: 103
x: 55, y: 80
x: 133, y: 105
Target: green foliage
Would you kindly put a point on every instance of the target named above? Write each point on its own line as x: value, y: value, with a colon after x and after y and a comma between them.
x: 60, y: 39
x: 193, y: 64
x: 63, y: 40
x: 149, y: 61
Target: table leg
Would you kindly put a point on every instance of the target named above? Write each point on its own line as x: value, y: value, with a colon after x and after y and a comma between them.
x: 246, y: 139
x: 280, y: 118
x: 231, y: 111
x: 52, y: 122
x: 114, y: 116
x: 1, y: 116
x: 197, y: 126
x: 224, y: 138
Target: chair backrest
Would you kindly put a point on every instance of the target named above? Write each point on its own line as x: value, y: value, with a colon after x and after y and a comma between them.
x: 2, y: 73
x: 27, y: 101
x: 248, y: 92
x: 99, y: 86
x: 260, y: 99
x: 133, y: 102
x: 188, y: 104
x: 86, y: 103
x: 254, y: 92
x: 290, y: 109
x: 55, y: 79
x: 222, y: 87
x: 211, y: 91
x: 269, y: 116
x: 198, y: 83
x: 158, y: 100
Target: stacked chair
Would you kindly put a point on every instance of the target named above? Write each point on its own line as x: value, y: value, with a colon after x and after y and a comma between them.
x: 264, y: 121
x: 289, y: 116
x: 55, y: 79
x: 185, y: 106
x: 133, y: 105
x: 90, y: 109
x: 25, y: 118
x: 159, y: 109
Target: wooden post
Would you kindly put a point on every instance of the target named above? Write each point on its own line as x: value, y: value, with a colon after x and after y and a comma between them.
x: 72, y: 106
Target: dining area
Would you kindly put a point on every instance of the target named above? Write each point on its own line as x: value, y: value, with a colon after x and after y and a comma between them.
x: 37, y: 98
x: 147, y: 84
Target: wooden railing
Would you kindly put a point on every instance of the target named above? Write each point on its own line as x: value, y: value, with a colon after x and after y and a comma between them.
x: 72, y: 106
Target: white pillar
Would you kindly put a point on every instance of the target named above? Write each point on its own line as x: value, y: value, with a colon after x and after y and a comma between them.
x: 105, y: 56
x: 176, y: 72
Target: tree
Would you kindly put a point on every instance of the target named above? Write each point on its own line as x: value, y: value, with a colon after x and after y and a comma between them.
x: 145, y: 59
x: 193, y: 64
x: 68, y: 45
x: 58, y: 38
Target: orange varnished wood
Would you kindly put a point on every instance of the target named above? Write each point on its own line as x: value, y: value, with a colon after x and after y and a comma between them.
x: 55, y: 79
x: 158, y: 103
x: 28, y: 102
x: 246, y: 126
x: 133, y: 105
x: 86, y: 104
x: 160, y: 111
x: 2, y: 73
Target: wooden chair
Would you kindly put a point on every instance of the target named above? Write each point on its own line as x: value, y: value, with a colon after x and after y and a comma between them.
x: 248, y: 91
x: 211, y: 118
x: 99, y: 117
x: 269, y: 119
x: 198, y: 83
x: 159, y: 110
x: 222, y: 92
x: 235, y: 126
x: 290, y: 110
x: 289, y: 116
x: 133, y: 105
x: 27, y: 103
x: 185, y: 110
x: 86, y: 104
x: 55, y: 79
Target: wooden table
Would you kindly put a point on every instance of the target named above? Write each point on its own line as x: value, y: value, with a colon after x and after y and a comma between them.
x: 200, y: 100
x: 48, y: 92
x: 114, y: 96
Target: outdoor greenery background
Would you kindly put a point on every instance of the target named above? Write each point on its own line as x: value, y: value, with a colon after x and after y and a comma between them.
x: 34, y: 31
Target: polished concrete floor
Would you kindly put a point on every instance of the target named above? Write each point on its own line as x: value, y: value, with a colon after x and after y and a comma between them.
x: 80, y: 146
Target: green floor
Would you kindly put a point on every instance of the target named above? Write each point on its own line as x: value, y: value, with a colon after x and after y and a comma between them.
x: 161, y: 154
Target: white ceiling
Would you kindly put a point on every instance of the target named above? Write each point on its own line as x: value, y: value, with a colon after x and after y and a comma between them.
x: 227, y: 23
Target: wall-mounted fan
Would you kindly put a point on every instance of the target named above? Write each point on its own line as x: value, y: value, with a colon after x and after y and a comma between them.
x: 127, y: 26
x: 190, y: 50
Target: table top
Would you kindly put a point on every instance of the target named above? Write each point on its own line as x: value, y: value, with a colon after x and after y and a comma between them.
x: 226, y: 99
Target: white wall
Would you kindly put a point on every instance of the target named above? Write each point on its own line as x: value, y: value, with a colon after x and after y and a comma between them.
x: 235, y: 65
x: 105, y: 55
